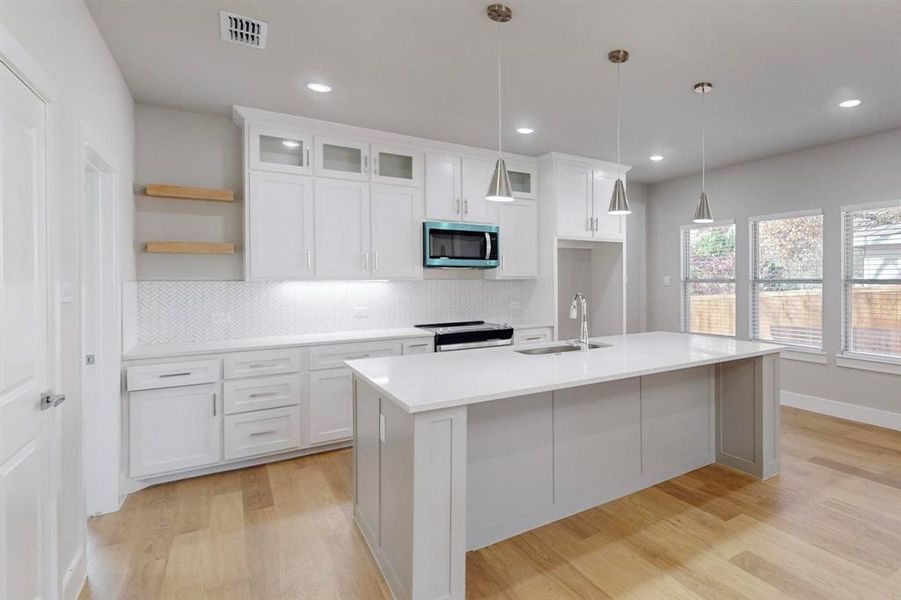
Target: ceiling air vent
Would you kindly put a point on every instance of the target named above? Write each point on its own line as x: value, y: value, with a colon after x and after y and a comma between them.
x: 242, y: 30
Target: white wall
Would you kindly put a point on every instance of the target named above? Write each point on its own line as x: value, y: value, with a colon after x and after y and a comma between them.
x: 636, y: 260
x: 855, y: 171
x: 185, y: 148
x: 63, y: 39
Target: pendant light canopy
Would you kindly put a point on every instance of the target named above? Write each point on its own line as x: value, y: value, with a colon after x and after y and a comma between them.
x: 499, y: 190
x: 702, y: 212
x: 619, y: 202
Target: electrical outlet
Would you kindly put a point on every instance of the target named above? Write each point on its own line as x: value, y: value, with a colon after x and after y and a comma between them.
x: 361, y: 312
x: 220, y: 318
x: 667, y: 281
x: 514, y: 306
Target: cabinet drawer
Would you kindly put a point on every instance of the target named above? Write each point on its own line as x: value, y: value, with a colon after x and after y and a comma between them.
x: 244, y: 395
x: 262, y: 432
x: 419, y: 346
x: 150, y: 377
x: 329, y: 357
x: 262, y: 362
x: 531, y: 336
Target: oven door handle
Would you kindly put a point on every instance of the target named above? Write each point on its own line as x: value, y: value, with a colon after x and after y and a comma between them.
x: 487, y: 245
x: 469, y: 345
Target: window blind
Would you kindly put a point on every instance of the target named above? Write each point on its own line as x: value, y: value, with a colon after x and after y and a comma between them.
x: 872, y: 281
x: 787, y: 280
x: 708, y: 279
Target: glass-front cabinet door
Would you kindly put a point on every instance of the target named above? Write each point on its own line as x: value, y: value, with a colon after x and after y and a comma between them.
x: 343, y: 158
x: 280, y: 149
x: 522, y: 180
x: 396, y: 165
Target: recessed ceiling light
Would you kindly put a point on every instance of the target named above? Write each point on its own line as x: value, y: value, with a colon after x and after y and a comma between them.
x: 656, y: 158
x: 322, y: 88
x: 290, y: 144
x: 850, y: 103
x: 525, y: 130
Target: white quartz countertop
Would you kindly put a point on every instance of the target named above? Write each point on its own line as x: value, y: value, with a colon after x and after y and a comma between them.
x: 262, y: 343
x: 431, y: 381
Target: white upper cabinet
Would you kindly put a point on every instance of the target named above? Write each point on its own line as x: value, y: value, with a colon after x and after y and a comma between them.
x: 606, y: 226
x: 280, y: 149
x: 574, y: 197
x: 342, y: 229
x: 279, y: 226
x: 344, y: 158
x: 522, y: 180
x: 518, y: 222
x: 443, y: 182
x: 579, y: 190
x: 396, y: 217
x: 476, y: 177
x: 396, y: 165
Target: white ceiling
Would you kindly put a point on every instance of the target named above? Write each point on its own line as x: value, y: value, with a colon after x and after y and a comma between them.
x: 427, y: 68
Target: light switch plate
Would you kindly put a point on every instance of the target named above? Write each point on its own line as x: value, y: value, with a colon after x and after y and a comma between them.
x: 667, y: 281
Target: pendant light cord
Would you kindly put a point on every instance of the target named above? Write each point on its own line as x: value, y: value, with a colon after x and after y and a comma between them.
x: 497, y: 36
x: 619, y: 115
x: 703, y: 141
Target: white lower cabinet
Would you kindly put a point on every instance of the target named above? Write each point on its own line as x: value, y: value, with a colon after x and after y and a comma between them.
x: 532, y: 335
x: 331, y: 405
x: 262, y: 432
x: 419, y: 346
x: 173, y: 429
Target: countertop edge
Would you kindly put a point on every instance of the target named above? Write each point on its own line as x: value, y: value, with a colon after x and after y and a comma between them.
x: 273, y: 343
x: 453, y: 403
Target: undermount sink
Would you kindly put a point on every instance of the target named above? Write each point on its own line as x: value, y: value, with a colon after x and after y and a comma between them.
x: 560, y: 348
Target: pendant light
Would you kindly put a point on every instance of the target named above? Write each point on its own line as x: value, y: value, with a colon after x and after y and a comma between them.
x: 702, y: 212
x: 619, y: 203
x: 499, y: 189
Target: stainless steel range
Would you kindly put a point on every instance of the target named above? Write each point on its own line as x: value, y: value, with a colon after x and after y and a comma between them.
x: 464, y: 335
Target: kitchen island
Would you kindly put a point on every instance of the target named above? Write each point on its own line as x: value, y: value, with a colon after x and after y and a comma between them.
x: 456, y: 451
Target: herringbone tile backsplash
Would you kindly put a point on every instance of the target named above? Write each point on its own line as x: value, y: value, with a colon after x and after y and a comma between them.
x: 183, y: 311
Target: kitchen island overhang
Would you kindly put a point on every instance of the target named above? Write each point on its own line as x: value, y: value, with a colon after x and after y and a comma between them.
x: 456, y: 451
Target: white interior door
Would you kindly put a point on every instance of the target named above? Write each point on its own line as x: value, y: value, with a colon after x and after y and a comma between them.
x: 25, y: 494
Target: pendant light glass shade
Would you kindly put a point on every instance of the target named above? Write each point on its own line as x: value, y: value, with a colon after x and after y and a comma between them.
x: 499, y: 189
x: 619, y: 203
x: 702, y: 212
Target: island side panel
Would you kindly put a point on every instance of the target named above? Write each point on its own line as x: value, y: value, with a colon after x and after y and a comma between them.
x: 677, y: 422
x: 439, y: 504
x: 510, y: 462
x: 366, y: 461
x: 747, y: 405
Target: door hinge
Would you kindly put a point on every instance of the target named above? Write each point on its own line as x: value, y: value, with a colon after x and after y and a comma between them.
x: 51, y: 400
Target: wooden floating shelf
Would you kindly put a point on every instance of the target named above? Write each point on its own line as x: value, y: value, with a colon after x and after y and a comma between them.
x: 159, y: 190
x: 190, y: 247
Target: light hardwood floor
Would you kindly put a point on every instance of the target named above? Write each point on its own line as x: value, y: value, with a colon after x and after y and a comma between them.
x: 828, y: 527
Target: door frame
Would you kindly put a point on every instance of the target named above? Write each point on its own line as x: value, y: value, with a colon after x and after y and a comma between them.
x: 16, y: 58
x: 101, y: 409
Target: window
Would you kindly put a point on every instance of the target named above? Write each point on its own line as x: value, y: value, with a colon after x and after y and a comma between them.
x: 787, y: 280
x: 872, y: 281
x: 708, y: 279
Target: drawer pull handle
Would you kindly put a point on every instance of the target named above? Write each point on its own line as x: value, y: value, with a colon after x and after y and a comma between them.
x: 165, y: 375
x: 355, y: 356
x: 418, y: 345
x: 534, y: 337
x: 263, y: 394
x: 256, y: 433
x: 271, y: 363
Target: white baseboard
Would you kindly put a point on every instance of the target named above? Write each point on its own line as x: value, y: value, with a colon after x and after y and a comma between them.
x: 843, y: 410
x: 75, y: 576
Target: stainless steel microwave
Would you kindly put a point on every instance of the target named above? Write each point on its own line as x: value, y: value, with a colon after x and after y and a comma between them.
x: 460, y: 245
